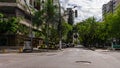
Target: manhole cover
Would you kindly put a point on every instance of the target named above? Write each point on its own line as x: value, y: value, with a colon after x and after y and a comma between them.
x: 84, y: 62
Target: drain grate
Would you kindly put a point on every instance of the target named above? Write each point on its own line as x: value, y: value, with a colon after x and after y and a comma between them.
x: 84, y: 62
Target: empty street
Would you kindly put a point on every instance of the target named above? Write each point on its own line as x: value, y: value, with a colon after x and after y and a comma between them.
x: 67, y: 58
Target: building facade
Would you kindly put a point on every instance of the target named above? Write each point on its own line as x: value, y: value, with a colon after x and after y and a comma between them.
x: 110, y: 7
x: 20, y: 8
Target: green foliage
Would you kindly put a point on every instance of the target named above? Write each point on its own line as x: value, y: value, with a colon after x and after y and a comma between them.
x: 47, y: 18
x: 113, y: 23
x: 50, y: 11
x: 12, y: 25
x: 39, y: 34
x: 54, y: 36
x: 38, y: 18
x: 23, y: 29
x: 8, y: 25
x: 92, y: 32
x: 65, y: 28
x: 69, y: 36
x: 67, y: 32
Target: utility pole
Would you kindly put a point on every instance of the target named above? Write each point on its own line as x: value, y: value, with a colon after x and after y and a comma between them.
x: 31, y: 34
x: 60, y: 28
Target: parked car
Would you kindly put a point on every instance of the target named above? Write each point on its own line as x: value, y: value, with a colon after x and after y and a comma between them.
x: 70, y: 45
x: 64, y: 45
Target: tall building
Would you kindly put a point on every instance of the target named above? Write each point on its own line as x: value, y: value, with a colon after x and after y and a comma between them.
x: 70, y: 16
x: 110, y: 7
x: 117, y: 3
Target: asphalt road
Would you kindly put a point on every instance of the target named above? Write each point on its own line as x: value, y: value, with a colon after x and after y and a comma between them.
x: 68, y: 58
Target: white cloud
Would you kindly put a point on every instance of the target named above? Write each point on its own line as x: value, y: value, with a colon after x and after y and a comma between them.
x: 86, y: 8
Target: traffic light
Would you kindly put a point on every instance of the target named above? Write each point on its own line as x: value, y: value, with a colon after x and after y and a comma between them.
x: 76, y: 13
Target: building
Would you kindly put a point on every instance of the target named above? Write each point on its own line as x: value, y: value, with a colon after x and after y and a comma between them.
x: 23, y: 9
x: 20, y: 8
x: 117, y: 3
x: 110, y: 7
x: 70, y: 16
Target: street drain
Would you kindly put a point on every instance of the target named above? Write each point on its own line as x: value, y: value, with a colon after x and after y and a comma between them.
x: 84, y: 62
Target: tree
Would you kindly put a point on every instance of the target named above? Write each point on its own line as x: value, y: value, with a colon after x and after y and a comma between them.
x: 48, y: 18
x: 92, y: 32
x: 38, y: 18
x: 65, y: 30
x: 9, y: 25
x: 50, y: 11
x: 112, y: 21
x: 86, y: 30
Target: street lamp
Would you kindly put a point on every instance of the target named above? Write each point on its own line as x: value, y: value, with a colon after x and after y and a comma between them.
x: 60, y: 28
x: 31, y: 34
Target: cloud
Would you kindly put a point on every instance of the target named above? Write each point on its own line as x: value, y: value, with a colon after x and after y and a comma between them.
x: 86, y: 8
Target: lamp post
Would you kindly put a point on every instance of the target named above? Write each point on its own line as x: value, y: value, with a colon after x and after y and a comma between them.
x: 31, y: 34
x: 60, y: 28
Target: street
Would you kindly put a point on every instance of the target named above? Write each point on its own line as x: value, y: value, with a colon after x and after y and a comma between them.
x: 54, y: 33
x: 67, y: 58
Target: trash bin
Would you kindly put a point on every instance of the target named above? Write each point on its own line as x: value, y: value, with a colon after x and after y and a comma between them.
x: 27, y: 46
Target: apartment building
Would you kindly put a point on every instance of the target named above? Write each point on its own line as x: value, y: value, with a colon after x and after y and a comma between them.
x: 110, y: 7
x: 20, y: 8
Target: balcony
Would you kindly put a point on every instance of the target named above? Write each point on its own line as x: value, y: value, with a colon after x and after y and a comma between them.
x: 29, y: 24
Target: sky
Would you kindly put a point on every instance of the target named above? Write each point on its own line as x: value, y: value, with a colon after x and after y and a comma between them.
x: 86, y: 8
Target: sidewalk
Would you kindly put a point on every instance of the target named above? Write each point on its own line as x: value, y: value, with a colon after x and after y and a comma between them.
x: 35, y: 50
x: 102, y: 50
